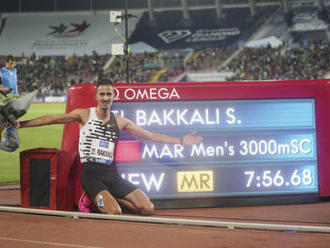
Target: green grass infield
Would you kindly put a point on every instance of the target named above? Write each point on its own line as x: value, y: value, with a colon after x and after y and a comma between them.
x: 32, y: 137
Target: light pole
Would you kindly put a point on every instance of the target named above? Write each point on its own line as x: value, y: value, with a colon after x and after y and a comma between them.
x: 126, y: 52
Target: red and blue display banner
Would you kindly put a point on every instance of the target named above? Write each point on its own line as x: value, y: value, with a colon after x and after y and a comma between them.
x: 260, y: 139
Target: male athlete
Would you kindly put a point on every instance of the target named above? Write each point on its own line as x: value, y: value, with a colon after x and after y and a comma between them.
x: 99, y: 133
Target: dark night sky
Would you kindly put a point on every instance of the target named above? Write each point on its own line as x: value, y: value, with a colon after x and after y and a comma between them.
x: 87, y: 5
x: 49, y: 5
x: 76, y: 5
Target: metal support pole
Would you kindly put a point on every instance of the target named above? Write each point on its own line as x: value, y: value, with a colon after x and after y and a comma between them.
x: 320, y: 5
x: 151, y: 11
x: 126, y: 43
x: 19, y: 6
x: 285, y: 4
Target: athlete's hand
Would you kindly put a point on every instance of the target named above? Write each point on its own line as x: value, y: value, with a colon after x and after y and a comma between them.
x: 190, y: 139
x: 18, y: 124
x: 5, y: 90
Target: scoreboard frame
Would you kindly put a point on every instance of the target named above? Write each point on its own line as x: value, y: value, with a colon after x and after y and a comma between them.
x: 83, y: 96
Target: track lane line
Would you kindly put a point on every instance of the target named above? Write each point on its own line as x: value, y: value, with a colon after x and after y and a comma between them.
x: 47, y: 243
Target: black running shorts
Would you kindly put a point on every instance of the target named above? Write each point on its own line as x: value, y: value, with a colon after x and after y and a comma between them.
x: 98, y: 177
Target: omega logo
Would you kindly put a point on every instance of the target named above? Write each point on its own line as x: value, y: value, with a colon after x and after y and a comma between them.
x: 116, y: 92
x: 147, y: 94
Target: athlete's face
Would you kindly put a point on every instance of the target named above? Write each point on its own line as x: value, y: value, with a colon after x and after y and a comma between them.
x: 10, y: 65
x: 104, y: 96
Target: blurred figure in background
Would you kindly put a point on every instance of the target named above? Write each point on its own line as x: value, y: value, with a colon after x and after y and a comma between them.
x: 8, y: 83
x: 8, y: 77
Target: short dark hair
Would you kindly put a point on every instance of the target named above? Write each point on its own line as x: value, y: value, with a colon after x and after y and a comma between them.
x: 9, y: 57
x: 104, y: 81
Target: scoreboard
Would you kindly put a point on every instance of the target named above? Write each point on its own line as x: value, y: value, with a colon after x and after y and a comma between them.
x: 262, y: 141
x: 249, y: 147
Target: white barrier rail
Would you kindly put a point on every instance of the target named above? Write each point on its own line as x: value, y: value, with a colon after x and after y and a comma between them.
x: 187, y: 222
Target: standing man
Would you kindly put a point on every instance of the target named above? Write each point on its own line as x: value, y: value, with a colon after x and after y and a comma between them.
x: 8, y: 83
x: 99, y: 133
x: 8, y: 77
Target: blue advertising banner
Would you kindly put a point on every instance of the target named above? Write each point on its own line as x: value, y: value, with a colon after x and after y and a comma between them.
x: 203, y: 29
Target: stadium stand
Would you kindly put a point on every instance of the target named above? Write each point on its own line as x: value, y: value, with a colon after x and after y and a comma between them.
x: 142, y: 68
x: 308, y: 61
x: 54, y: 74
x: 52, y: 53
x: 307, y: 22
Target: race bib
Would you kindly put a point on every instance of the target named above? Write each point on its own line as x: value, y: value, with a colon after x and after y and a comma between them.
x: 102, y: 151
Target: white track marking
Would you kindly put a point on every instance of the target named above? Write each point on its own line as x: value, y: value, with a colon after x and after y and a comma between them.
x: 47, y: 243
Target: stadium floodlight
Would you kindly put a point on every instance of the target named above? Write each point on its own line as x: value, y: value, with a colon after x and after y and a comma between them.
x: 117, y: 49
x: 115, y: 16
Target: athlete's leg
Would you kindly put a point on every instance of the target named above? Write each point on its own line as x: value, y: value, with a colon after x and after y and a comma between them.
x: 84, y: 203
x: 106, y: 203
x: 132, y: 198
x: 126, y: 205
x: 140, y: 201
x: 94, y: 186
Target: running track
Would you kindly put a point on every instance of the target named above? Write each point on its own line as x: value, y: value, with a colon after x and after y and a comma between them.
x: 31, y: 230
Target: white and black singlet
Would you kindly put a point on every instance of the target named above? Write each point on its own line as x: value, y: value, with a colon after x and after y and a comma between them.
x: 97, y: 140
x: 97, y: 143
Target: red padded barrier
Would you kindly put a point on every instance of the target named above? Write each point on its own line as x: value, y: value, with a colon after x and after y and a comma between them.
x: 59, y: 193
x: 79, y: 96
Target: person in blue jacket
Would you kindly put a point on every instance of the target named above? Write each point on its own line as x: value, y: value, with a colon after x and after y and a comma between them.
x: 8, y: 82
x: 8, y: 77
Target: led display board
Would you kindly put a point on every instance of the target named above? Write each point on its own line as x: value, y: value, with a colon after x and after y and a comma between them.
x: 249, y: 147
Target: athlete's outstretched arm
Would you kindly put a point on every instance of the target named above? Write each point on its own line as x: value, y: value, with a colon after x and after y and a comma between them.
x: 73, y: 116
x: 187, y: 140
x: 6, y: 90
